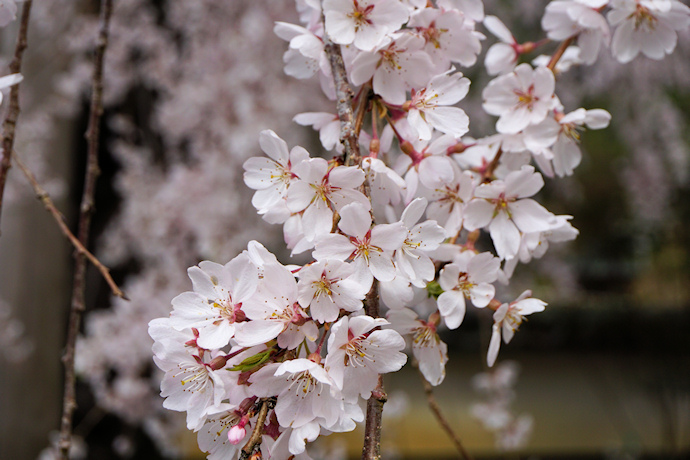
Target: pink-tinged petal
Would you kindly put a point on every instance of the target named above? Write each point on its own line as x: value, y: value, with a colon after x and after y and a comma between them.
x: 341, y: 198
x: 415, y: 119
x: 523, y: 183
x: 499, y: 29
x: 202, y: 283
x: 389, y: 85
x: 315, y: 119
x: 256, y: 332
x: 413, y: 212
x: 530, y: 216
x: 339, y: 27
x: 333, y: 246
x: 432, y: 362
x: 450, y: 89
x: 494, y: 345
x: 449, y: 120
x: 482, y: 294
x: 216, y: 337
x: 388, y: 236
x: 259, y: 172
x: 355, y: 220
x: 435, y: 170
x: 242, y: 278
x: 478, y: 214
x: 451, y: 305
x: 597, y: 119
x: 500, y: 58
x: 299, y: 196
x: 448, y: 277
x: 363, y: 67
x: 544, y: 83
x: 317, y: 220
x: 483, y: 268
x: 529, y: 306
x: 274, y: 146
x: 299, y: 66
x: 346, y: 177
x: 505, y: 236
x: 381, y: 266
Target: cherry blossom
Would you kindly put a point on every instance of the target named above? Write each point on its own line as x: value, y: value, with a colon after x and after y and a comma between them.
x: 364, y: 23
x: 428, y: 106
x: 507, y: 320
x: 398, y: 65
x: 566, y: 18
x: 520, y: 98
x: 468, y: 276
x: 646, y: 26
x: 371, y: 249
x: 326, y: 287
x: 504, y: 206
x: 358, y: 354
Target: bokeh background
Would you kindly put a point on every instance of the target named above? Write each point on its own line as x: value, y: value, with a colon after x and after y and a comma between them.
x: 603, y: 373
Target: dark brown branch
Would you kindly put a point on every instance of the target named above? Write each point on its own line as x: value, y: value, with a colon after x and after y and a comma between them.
x: 85, y: 214
x: 43, y: 196
x: 255, y: 438
x: 433, y: 405
x: 10, y: 124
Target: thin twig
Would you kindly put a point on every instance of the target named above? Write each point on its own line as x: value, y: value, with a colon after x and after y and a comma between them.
x: 255, y: 438
x: 10, y: 124
x: 85, y: 214
x: 363, y: 103
x: 559, y: 53
x: 433, y: 405
x: 48, y: 203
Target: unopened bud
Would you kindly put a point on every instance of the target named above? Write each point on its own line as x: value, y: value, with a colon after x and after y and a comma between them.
x: 236, y: 434
x: 218, y: 362
x: 374, y: 146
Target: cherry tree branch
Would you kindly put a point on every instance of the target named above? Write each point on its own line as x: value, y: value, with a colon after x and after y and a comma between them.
x: 349, y: 138
x: 10, y: 124
x: 436, y: 410
x: 48, y: 203
x: 85, y: 214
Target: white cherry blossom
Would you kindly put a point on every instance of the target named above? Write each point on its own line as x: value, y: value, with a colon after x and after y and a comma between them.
x: 507, y: 320
x: 430, y: 108
x: 364, y: 23
x: 326, y: 287
x: 468, y: 276
x: 646, y: 26
x: 371, y: 249
x: 520, y: 98
x: 504, y: 206
x: 427, y: 347
x: 320, y: 190
x: 396, y: 67
x: 357, y: 354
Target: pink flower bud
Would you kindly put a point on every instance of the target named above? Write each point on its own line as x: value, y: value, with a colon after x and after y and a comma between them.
x: 236, y: 434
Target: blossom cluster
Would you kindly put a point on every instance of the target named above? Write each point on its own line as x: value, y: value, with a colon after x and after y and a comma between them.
x: 290, y: 351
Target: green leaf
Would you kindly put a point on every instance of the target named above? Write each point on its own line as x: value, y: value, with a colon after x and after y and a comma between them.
x: 253, y: 361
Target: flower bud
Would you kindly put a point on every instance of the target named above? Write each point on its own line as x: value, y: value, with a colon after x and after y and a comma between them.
x: 236, y: 434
